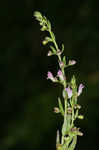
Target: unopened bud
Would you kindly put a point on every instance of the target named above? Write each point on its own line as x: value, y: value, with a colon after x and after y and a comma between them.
x: 80, y: 133
x: 80, y: 117
x: 69, y: 110
x: 49, y: 53
x: 72, y: 62
x: 44, y: 42
x: 56, y: 110
x: 77, y: 106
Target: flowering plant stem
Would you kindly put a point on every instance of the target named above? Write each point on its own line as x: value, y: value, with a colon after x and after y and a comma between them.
x: 67, y: 105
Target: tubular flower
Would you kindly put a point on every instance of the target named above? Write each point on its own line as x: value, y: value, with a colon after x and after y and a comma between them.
x: 69, y: 92
x: 81, y: 86
x: 60, y: 75
x: 50, y: 76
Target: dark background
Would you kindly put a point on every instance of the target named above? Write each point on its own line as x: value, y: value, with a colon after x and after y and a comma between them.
x: 27, y: 99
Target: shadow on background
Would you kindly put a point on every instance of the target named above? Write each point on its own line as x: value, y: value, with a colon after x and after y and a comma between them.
x: 27, y: 121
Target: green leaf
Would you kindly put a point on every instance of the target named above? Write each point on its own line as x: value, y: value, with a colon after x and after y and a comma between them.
x: 62, y: 47
x: 53, y: 49
x: 73, y: 81
x: 38, y: 15
x: 61, y: 107
x: 76, y: 114
x: 53, y: 36
x: 49, y: 24
x: 44, y: 18
x: 64, y: 60
x: 74, y: 87
x: 44, y: 28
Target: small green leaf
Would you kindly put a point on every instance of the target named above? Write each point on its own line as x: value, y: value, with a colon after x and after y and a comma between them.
x: 49, y: 24
x: 44, y: 18
x: 76, y: 114
x: 53, y: 49
x: 53, y: 36
x: 44, y: 28
x: 48, y: 39
x: 64, y: 60
x: 38, y: 15
x: 74, y: 87
x: 60, y: 107
x: 73, y: 80
x: 62, y: 47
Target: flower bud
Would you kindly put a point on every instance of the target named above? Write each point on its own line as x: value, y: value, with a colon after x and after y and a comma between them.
x: 51, y: 77
x: 60, y: 75
x: 49, y: 53
x: 72, y: 62
x: 81, y: 117
x: 69, y: 92
x: 56, y: 110
x: 81, y: 86
x: 77, y: 106
x: 44, y: 42
x: 69, y: 110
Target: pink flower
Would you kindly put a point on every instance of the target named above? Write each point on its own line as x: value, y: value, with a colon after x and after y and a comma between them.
x: 60, y: 75
x: 50, y: 76
x: 69, y: 92
x: 81, y: 86
x: 72, y: 62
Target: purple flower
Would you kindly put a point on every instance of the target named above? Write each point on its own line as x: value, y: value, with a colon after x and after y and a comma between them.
x: 50, y: 76
x: 69, y: 92
x: 81, y: 86
x: 72, y: 62
x: 60, y: 75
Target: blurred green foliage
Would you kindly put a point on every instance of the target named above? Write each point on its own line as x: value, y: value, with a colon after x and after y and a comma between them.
x: 27, y: 99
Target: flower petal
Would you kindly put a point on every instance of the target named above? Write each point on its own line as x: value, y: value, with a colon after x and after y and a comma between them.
x: 69, y: 92
x: 81, y: 86
x: 60, y: 75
